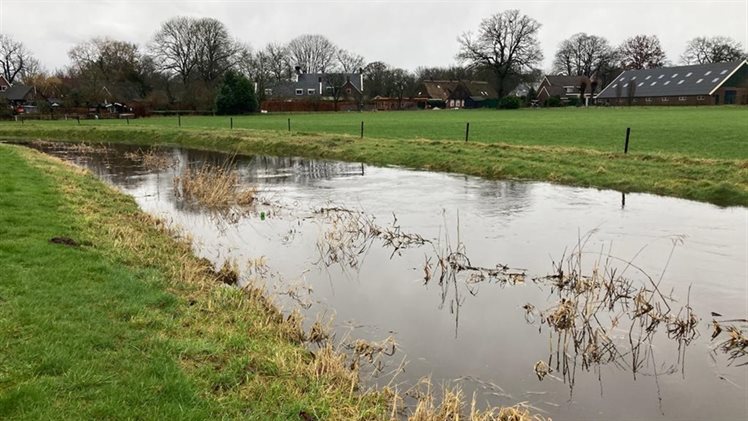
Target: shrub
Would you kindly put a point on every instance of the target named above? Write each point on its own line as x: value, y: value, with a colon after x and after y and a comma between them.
x: 509, y: 103
x: 553, y: 101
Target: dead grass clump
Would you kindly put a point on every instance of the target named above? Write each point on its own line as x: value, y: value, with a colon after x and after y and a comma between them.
x: 736, y: 344
x: 215, y: 187
x: 152, y: 159
x: 228, y: 274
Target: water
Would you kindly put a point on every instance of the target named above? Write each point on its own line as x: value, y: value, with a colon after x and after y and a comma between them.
x: 478, y: 332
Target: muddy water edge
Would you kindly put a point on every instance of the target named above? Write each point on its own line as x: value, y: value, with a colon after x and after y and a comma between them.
x: 584, y: 304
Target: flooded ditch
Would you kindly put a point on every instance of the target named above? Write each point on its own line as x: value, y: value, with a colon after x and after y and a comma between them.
x: 576, y: 302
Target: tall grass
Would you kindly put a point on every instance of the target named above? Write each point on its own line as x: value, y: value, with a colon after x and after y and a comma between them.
x: 213, y: 186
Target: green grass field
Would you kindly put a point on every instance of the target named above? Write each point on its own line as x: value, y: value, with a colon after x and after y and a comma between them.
x: 698, y: 153
x: 703, y: 132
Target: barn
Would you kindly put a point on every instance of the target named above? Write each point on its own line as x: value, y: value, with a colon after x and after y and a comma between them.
x: 700, y: 84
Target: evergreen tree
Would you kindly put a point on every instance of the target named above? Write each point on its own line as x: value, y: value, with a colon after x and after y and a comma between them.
x: 236, y: 95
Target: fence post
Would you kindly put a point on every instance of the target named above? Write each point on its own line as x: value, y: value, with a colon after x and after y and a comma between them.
x: 22, y: 122
x: 179, y: 120
x: 79, y: 119
x: 231, y: 124
x: 467, y: 131
x: 289, y: 124
x: 626, y: 146
x: 127, y: 119
x: 362, y: 130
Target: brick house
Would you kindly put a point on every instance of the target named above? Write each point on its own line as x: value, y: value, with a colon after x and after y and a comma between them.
x: 699, y: 84
x: 458, y: 93
x: 566, y: 88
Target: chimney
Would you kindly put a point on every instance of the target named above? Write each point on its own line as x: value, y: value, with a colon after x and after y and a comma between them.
x: 320, y: 86
x: 296, y: 74
x: 361, y: 79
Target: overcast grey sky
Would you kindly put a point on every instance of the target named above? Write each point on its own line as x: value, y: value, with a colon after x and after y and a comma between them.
x: 405, y: 34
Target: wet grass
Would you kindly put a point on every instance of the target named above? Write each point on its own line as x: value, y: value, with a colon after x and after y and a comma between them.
x: 692, y: 153
x: 122, y: 321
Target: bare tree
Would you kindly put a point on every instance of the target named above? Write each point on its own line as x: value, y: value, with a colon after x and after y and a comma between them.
x: 278, y: 61
x: 641, y: 52
x: 702, y: 50
x: 583, y: 55
x: 506, y: 43
x: 175, y: 46
x: 16, y: 60
x: 117, y: 66
x: 313, y: 53
x: 349, y: 62
x: 216, y: 52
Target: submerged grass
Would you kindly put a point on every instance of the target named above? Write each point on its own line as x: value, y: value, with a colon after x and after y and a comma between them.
x: 683, y: 166
x: 213, y: 186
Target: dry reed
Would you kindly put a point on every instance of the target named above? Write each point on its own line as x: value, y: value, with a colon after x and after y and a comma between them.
x: 214, y: 187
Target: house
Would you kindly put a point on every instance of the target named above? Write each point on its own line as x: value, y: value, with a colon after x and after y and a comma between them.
x: 19, y: 97
x: 313, y: 90
x: 386, y: 103
x: 458, y: 93
x: 4, y: 84
x: 700, y: 84
x: 566, y: 88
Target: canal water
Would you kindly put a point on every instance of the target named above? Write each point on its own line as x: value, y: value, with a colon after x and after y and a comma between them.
x: 481, y: 330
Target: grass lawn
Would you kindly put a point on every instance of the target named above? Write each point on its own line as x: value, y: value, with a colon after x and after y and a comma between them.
x: 130, y: 325
x: 700, y: 132
x: 698, y: 153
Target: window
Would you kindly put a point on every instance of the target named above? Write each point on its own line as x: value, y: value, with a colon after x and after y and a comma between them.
x: 328, y: 90
x: 681, y: 98
x: 633, y: 78
x: 268, y: 91
x: 700, y: 98
x: 674, y: 76
x: 665, y: 99
x: 723, y: 72
x: 667, y: 82
x: 661, y: 76
x: 625, y: 85
x: 311, y: 91
x: 348, y: 91
x: 715, y: 79
x: 3, y: 88
x: 653, y: 83
x: 299, y: 92
x: 640, y: 84
x: 568, y: 90
x: 622, y: 79
x: 699, y: 81
x: 689, y: 74
x: 708, y: 73
x: 635, y: 100
x: 680, y: 82
x: 649, y: 99
x: 648, y: 77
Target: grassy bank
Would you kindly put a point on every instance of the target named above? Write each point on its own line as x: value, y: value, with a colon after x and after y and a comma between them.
x: 118, y: 320
x: 722, y: 181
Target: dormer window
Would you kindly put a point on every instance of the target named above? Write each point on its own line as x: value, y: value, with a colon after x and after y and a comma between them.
x: 299, y: 92
x: 311, y: 91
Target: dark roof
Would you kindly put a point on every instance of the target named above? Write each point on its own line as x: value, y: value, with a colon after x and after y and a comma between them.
x: 561, y: 81
x: 479, y: 89
x: 443, y: 89
x: 698, y: 79
x: 16, y: 92
x: 311, y: 81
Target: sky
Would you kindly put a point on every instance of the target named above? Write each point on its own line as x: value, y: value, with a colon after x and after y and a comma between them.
x: 405, y: 34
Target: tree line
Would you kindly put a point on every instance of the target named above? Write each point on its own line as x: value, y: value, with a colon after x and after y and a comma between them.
x: 187, y: 61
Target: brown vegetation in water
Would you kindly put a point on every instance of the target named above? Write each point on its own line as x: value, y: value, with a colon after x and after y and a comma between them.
x: 214, y: 187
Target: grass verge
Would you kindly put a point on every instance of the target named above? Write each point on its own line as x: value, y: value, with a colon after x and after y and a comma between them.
x: 118, y: 319
x: 722, y: 182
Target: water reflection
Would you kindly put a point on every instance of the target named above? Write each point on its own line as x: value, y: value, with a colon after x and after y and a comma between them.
x: 473, y: 326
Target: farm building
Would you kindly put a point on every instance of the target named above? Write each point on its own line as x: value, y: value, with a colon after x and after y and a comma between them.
x: 315, y: 92
x: 458, y: 93
x: 700, y: 84
x: 565, y: 88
